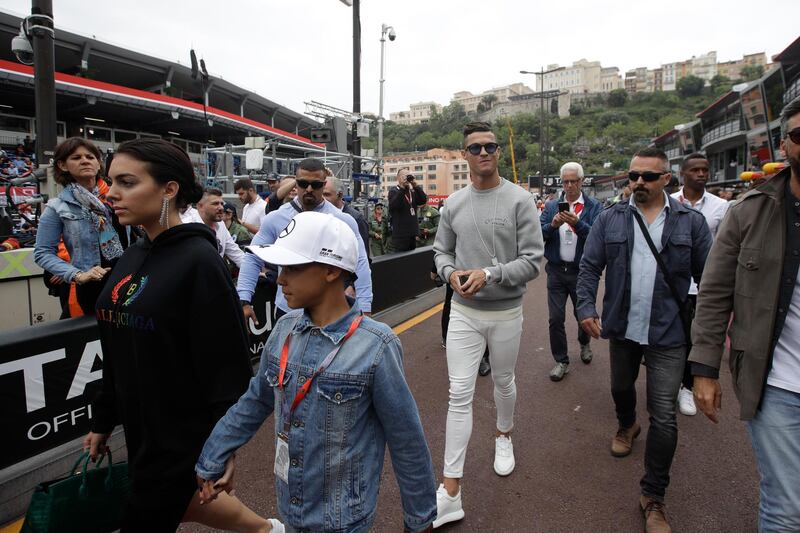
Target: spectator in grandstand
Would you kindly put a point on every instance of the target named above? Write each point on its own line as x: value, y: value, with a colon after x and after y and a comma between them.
x: 253, y: 206
x: 171, y: 368
x: 82, y: 220
x: 240, y: 235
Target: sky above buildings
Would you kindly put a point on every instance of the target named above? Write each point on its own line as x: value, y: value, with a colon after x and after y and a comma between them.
x: 292, y: 51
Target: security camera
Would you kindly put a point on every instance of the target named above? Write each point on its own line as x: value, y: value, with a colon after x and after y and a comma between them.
x: 392, y: 34
x: 22, y: 48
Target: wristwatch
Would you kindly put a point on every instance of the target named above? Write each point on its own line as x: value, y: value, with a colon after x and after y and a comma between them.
x: 488, y: 275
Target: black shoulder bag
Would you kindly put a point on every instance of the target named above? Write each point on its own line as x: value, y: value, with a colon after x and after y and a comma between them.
x: 686, y: 319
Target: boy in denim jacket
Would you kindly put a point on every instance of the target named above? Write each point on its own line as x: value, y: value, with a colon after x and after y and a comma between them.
x: 335, y: 380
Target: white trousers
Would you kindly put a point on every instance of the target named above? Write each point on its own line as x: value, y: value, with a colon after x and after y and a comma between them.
x: 467, y: 339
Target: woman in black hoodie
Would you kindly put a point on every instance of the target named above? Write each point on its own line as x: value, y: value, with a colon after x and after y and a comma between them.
x: 174, y: 343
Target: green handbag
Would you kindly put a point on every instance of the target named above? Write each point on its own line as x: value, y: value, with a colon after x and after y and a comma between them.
x: 92, y: 501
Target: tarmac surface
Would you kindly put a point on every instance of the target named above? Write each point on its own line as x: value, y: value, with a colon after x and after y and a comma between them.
x: 565, y: 478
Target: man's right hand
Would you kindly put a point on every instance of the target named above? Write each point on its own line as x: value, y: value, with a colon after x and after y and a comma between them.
x: 249, y: 312
x: 558, y: 220
x: 95, y: 443
x: 591, y: 326
x: 707, y: 396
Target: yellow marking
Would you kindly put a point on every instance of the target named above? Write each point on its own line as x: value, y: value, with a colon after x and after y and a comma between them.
x: 14, y: 527
x: 410, y: 323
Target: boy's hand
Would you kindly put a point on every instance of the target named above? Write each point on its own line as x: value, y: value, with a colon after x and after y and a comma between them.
x: 210, y: 489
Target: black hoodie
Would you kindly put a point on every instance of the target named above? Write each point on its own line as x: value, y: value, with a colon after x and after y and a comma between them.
x: 175, y: 357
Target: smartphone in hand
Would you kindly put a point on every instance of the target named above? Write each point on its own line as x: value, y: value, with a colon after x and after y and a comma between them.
x: 563, y: 206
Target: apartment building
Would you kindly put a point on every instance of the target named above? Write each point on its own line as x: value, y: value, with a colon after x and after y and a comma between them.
x: 733, y: 69
x: 471, y: 101
x: 417, y: 113
x: 583, y: 77
x: 439, y: 171
x: 610, y: 80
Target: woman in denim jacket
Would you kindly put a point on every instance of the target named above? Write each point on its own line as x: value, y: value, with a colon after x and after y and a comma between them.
x: 82, y: 220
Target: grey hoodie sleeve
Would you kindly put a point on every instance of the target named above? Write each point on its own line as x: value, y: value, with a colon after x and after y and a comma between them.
x: 530, y: 248
x: 444, y: 247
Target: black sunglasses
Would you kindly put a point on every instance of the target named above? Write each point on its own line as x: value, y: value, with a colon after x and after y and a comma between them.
x: 316, y: 185
x: 794, y: 135
x: 646, y: 176
x: 475, y: 148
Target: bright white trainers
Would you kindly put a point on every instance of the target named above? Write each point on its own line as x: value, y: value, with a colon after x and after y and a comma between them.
x: 448, y: 508
x: 277, y: 526
x: 503, y: 455
x: 686, y: 402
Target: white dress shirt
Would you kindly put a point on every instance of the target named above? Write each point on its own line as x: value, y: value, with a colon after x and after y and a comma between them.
x: 255, y: 212
x: 567, y: 238
x: 226, y: 246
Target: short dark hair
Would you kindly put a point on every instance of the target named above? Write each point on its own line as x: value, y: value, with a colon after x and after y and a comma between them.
x: 243, y: 183
x: 693, y: 155
x: 166, y: 162
x: 474, y: 127
x: 67, y: 148
x: 312, y: 164
x: 658, y: 153
x: 212, y: 191
x: 789, y: 110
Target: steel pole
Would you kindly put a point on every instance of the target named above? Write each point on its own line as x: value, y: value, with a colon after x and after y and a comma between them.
x: 356, y: 151
x: 380, y: 106
x: 44, y: 78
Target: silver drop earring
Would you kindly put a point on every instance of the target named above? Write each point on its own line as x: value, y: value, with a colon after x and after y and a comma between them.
x: 164, y: 219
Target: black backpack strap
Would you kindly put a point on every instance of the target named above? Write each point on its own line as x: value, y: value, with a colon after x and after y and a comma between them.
x: 684, y: 314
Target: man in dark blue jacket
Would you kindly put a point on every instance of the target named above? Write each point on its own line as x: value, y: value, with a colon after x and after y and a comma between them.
x: 641, y: 318
x: 565, y: 233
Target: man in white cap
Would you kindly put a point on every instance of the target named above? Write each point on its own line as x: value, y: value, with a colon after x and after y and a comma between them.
x: 335, y: 380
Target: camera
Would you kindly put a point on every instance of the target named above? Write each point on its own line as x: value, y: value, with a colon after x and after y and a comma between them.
x: 392, y: 34
x: 409, y: 177
x: 22, y: 49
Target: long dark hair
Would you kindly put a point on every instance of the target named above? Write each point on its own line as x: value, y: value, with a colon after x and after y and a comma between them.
x: 166, y: 162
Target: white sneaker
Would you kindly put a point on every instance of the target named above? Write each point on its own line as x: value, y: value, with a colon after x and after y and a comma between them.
x: 277, y: 526
x: 503, y: 455
x: 686, y: 402
x: 448, y: 508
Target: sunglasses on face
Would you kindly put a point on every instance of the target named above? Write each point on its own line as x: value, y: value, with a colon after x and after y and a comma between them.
x: 316, y: 185
x: 794, y: 135
x: 646, y: 176
x: 475, y: 148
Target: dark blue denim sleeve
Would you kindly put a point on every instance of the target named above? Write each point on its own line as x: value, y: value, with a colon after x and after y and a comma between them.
x: 593, y: 262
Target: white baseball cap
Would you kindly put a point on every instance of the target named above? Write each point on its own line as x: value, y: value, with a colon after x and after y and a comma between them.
x: 312, y: 237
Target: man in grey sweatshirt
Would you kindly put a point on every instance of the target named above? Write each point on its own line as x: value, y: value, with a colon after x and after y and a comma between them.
x: 488, y: 247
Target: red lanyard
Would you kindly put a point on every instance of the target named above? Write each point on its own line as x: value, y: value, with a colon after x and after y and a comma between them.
x: 301, y: 393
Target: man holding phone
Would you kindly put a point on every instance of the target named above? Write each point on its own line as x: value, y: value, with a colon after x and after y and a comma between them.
x: 404, y: 199
x: 566, y: 222
x: 488, y: 247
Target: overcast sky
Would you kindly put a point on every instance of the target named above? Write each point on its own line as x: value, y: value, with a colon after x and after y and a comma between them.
x: 292, y: 51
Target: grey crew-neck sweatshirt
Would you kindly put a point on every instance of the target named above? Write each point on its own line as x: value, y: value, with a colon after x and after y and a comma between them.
x: 464, y: 242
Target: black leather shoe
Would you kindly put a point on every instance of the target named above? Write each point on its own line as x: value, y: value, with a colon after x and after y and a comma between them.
x: 484, y: 367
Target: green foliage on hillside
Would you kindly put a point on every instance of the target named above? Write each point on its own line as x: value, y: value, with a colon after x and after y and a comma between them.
x: 598, y: 131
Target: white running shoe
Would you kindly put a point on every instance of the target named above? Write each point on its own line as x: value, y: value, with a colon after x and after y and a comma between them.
x: 503, y: 455
x: 448, y: 508
x: 277, y: 526
x: 686, y: 402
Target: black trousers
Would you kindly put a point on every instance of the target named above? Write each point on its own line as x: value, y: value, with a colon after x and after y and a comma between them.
x: 688, y: 378
x: 561, y: 284
x: 404, y: 244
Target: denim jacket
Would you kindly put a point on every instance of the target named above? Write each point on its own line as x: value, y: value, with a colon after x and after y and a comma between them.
x: 339, y: 432
x: 686, y: 241
x: 64, y: 216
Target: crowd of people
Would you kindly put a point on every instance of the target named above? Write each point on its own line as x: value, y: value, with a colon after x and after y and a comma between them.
x: 683, y: 273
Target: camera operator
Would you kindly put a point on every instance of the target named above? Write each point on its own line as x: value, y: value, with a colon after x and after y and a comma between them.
x: 403, y: 202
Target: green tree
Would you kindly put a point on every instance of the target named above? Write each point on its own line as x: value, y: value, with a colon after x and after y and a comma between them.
x: 690, y: 86
x: 617, y: 98
x: 488, y: 101
x: 751, y: 72
x: 719, y: 81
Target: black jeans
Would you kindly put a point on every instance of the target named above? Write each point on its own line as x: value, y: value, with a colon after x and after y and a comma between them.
x: 561, y: 284
x: 664, y: 373
x: 688, y: 378
x: 404, y: 244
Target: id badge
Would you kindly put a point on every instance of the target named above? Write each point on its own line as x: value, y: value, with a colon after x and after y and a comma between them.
x: 413, y: 212
x: 282, y: 458
x: 570, y: 235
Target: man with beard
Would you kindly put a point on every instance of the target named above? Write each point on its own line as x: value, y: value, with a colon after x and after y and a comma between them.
x: 310, y: 181
x: 753, y: 271
x: 643, y: 312
x: 695, y: 173
x: 210, y: 211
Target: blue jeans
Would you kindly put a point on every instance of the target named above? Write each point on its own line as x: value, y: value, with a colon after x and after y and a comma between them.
x: 664, y: 374
x: 775, y: 434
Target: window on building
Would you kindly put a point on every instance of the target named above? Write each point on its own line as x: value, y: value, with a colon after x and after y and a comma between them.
x: 120, y: 136
x: 418, y: 168
x: 432, y: 167
x: 432, y: 187
x: 95, y: 133
x: 431, y: 176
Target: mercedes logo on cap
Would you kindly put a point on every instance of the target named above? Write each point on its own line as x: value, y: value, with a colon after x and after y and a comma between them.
x: 288, y: 229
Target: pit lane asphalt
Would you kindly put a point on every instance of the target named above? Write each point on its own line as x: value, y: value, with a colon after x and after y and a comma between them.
x: 565, y: 478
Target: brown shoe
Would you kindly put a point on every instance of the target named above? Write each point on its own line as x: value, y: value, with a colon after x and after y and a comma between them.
x: 622, y: 442
x: 654, y: 515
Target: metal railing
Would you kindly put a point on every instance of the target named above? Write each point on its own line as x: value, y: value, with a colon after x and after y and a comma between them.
x: 723, y: 130
x: 792, y: 91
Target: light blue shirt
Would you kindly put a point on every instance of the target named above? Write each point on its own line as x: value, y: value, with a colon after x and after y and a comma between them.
x: 643, y: 274
x: 271, y: 226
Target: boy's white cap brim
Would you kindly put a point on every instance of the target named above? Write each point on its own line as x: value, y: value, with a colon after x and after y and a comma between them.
x: 278, y: 256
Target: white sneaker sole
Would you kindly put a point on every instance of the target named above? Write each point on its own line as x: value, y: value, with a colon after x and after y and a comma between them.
x: 455, y: 516
x: 687, y: 412
x: 504, y: 473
